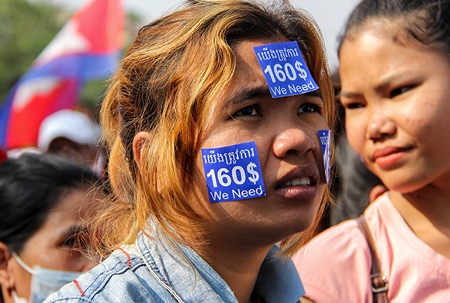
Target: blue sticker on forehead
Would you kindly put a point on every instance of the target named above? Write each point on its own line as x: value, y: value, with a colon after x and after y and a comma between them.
x: 285, y: 69
x: 233, y: 172
x: 325, y: 142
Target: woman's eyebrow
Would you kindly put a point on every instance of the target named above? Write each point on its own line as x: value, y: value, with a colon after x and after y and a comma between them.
x: 348, y: 95
x: 248, y: 93
x: 315, y: 94
x: 73, y: 230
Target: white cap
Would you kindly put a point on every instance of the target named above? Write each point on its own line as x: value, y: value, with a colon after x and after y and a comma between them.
x: 71, y: 124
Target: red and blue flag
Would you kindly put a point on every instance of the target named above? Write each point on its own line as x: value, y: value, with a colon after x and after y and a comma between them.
x: 88, y: 47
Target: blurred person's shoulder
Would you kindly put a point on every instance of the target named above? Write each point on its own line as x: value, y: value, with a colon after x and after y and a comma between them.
x: 118, y: 278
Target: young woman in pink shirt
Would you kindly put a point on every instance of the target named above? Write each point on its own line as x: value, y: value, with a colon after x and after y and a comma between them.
x: 395, y: 74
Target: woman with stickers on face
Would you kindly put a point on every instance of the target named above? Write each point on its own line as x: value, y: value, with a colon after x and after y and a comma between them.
x: 395, y: 70
x: 210, y: 164
x: 44, y: 200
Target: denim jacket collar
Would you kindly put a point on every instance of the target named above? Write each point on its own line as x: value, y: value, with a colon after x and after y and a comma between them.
x: 278, y: 280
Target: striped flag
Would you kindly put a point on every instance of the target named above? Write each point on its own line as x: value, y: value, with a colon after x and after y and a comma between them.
x: 88, y: 47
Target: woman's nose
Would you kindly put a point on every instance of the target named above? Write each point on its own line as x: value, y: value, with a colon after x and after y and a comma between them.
x: 379, y: 126
x: 292, y: 141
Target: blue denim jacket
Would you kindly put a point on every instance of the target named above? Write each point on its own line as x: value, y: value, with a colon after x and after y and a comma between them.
x: 156, y: 271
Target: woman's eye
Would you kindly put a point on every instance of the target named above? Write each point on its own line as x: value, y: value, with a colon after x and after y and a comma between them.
x: 310, y: 108
x: 76, y: 241
x: 353, y: 105
x: 400, y: 90
x: 247, y: 111
x: 71, y: 242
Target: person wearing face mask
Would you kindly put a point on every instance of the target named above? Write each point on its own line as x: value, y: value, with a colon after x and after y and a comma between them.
x: 44, y: 200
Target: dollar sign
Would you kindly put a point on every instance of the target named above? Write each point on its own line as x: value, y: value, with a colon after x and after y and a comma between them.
x: 254, y: 174
x: 302, y: 74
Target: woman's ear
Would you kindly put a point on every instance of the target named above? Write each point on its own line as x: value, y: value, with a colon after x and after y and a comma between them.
x: 6, y: 280
x: 141, y: 140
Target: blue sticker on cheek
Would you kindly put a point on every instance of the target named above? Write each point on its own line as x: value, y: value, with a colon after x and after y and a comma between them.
x: 233, y: 172
x: 325, y: 141
x: 285, y: 69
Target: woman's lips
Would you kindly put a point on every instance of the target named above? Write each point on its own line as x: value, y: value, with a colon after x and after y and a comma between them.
x: 389, y: 157
x: 296, y: 182
x: 300, y: 183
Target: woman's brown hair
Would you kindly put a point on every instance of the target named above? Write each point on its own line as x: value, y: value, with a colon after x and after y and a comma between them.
x: 166, y: 84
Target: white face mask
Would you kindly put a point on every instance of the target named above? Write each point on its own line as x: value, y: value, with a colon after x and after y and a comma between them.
x: 18, y: 299
x: 44, y: 281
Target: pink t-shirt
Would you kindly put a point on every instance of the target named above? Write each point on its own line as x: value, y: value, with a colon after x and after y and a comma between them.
x: 335, y: 265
